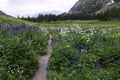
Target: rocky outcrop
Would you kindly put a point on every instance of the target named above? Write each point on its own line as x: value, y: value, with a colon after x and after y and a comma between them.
x: 90, y: 6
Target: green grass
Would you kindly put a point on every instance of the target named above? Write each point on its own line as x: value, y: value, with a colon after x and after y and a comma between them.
x: 19, y: 46
x: 6, y: 20
x: 14, y: 21
x: 59, y: 68
x: 84, y: 23
x: 103, y: 46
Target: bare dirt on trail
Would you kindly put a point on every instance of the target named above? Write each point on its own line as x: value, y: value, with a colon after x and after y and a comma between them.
x: 43, y: 63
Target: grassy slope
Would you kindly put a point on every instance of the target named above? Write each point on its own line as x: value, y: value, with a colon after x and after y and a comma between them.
x: 13, y: 21
x: 68, y: 23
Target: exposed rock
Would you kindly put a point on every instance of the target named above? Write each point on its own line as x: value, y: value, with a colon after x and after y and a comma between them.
x: 90, y: 6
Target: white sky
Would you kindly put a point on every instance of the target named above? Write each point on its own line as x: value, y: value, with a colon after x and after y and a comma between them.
x: 31, y: 7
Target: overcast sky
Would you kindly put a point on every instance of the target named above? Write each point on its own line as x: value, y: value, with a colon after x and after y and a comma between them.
x: 30, y: 7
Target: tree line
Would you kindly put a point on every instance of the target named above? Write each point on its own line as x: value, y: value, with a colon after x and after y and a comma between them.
x: 109, y: 14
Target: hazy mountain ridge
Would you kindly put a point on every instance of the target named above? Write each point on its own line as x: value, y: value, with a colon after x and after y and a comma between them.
x: 2, y: 13
x: 53, y: 12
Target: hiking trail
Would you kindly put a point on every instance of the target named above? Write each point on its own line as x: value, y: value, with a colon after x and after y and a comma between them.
x: 43, y: 62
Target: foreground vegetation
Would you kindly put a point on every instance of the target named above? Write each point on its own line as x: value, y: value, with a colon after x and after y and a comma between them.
x: 82, y: 50
x: 87, y: 50
x: 19, y: 46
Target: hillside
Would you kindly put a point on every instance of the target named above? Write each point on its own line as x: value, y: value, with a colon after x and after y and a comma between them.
x: 7, y: 20
x: 111, y: 12
x: 115, y: 5
x: 91, y: 6
x: 80, y: 50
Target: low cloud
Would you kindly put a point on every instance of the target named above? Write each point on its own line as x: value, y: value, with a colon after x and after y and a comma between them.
x: 28, y: 7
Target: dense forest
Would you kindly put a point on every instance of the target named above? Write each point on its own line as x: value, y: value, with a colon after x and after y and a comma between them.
x: 110, y: 14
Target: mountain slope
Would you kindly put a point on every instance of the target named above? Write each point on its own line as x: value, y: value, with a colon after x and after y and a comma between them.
x: 109, y: 7
x: 2, y: 13
x: 91, y: 6
x: 112, y: 12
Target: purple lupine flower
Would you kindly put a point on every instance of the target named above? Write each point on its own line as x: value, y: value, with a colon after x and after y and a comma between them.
x: 74, y: 60
x: 56, y: 39
x: 80, y: 69
x: 30, y: 28
x: 93, y: 41
x: 2, y: 26
x: 74, y: 43
x: 85, y: 46
x: 110, y: 42
x: 99, y: 45
x: 73, y: 63
x: 23, y: 27
x: 58, y: 29
x: 74, y: 54
x: 66, y: 56
x: 97, y: 64
x: 88, y: 31
x: 74, y: 32
x: 18, y: 28
x: 6, y: 30
x: 67, y: 38
x: 79, y: 47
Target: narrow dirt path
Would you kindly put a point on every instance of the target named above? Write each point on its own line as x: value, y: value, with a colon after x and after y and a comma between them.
x: 43, y: 63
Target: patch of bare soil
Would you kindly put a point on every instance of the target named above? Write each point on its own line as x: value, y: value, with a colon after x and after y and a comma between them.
x: 43, y: 63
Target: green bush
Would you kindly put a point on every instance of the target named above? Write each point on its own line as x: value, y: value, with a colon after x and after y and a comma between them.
x: 19, y: 58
